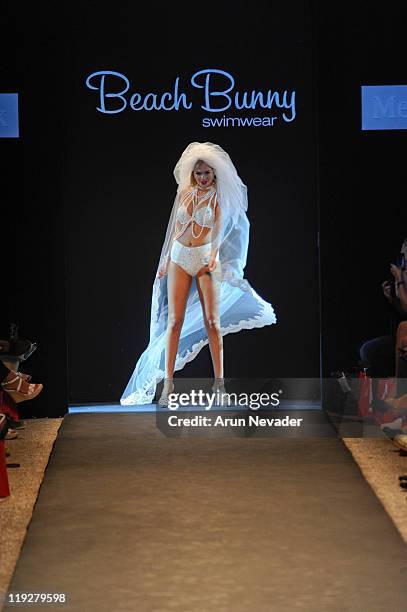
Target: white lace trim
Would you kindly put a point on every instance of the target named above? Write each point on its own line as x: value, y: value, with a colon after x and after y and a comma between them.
x: 146, y: 396
x: 154, y: 301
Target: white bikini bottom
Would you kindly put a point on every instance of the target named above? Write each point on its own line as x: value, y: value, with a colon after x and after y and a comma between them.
x: 191, y: 259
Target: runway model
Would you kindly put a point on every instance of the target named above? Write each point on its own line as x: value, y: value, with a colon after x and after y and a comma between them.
x: 199, y: 293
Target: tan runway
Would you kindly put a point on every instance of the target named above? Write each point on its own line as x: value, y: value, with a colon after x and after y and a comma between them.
x: 129, y: 519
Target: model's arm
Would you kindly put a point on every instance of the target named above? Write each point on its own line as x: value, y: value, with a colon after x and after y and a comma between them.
x: 216, y: 233
x: 164, y: 266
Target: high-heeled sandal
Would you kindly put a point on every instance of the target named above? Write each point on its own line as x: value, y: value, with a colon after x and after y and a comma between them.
x: 19, y: 389
x: 26, y: 377
x: 222, y: 396
x: 168, y: 382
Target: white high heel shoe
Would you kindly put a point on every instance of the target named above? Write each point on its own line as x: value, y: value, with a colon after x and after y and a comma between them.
x: 168, y: 388
x: 222, y: 397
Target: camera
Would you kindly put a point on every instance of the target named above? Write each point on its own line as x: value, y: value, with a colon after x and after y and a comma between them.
x: 401, y: 261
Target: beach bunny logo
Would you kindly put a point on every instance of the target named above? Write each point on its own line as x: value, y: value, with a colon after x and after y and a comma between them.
x: 218, y: 91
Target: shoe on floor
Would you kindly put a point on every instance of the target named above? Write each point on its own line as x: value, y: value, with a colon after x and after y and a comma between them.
x: 391, y: 433
x: 17, y: 387
x: 11, y: 435
x: 15, y: 424
x: 396, y: 425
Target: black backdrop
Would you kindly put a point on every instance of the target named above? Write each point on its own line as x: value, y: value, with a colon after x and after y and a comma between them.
x: 118, y: 186
x: 361, y: 187
x: 362, y: 174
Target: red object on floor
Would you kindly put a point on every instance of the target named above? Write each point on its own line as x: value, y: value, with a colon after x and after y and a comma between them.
x: 9, y: 408
x: 365, y: 395
x: 385, y: 387
x: 4, y: 488
x: 8, y: 405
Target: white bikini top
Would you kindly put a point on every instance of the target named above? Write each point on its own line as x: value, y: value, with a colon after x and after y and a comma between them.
x: 202, y: 215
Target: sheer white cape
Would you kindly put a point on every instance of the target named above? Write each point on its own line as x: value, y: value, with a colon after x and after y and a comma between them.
x: 240, y: 306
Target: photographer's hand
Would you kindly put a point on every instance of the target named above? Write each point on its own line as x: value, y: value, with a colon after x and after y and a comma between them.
x: 401, y: 290
x: 386, y: 286
x: 396, y: 272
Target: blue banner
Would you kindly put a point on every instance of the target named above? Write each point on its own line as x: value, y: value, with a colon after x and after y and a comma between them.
x: 9, y: 115
x: 384, y: 107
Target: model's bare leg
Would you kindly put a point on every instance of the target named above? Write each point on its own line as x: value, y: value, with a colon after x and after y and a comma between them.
x: 178, y: 285
x: 209, y: 290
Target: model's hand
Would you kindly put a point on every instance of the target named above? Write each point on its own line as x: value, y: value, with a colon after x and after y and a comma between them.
x: 162, y: 270
x: 386, y: 286
x: 211, y: 264
x: 396, y: 272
